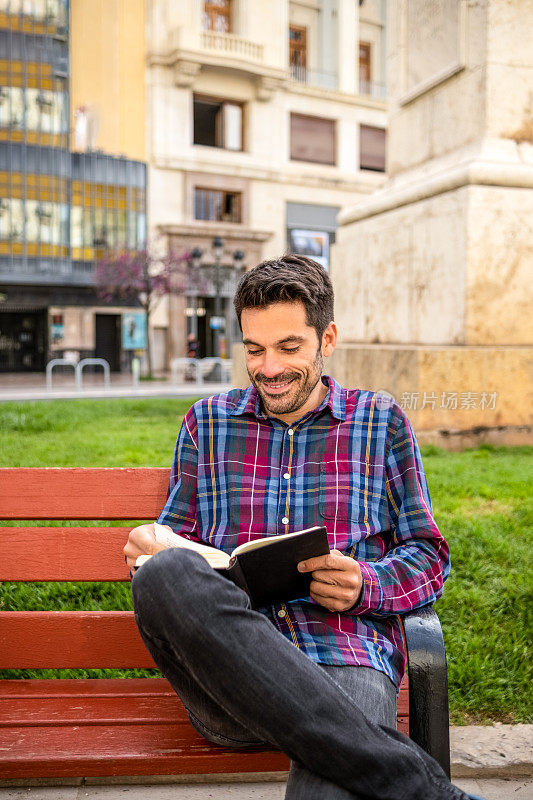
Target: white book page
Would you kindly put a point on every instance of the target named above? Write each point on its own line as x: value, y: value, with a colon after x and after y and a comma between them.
x: 167, y: 537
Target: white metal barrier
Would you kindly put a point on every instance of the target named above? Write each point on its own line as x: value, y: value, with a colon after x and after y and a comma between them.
x: 208, y: 364
x: 55, y: 362
x: 96, y: 362
x: 190, y: 367
x: 196, y: 369
x: 78, y: 370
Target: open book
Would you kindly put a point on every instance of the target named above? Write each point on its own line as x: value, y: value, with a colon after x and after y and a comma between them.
x: 265, y: 568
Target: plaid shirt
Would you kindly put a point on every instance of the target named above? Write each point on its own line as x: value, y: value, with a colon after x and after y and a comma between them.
x: 353, y: 465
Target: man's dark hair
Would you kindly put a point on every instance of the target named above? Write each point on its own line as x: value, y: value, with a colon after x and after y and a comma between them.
x: 287, y: 280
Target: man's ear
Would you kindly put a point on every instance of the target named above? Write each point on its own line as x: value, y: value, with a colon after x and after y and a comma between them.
x: 329, y: 339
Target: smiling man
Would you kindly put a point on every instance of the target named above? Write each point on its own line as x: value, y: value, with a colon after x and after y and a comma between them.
x: 316, y: 677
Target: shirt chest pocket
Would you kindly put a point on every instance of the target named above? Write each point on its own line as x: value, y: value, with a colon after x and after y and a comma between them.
x: 341, y: 493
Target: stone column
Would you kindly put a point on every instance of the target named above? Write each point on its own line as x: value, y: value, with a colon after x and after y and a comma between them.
x: 434, y: 272
x: 348, y: 46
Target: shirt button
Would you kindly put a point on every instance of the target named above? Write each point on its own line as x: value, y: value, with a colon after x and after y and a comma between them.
x: 286, y: 476
x: 281, y: 613
x: 285, y: 520
x: 290, y: 432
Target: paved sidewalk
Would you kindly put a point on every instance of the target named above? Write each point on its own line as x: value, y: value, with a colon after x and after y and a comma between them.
x: 491, y: 789
x: 495, y: 762
x: 492, y: 751
x: 32, y: 386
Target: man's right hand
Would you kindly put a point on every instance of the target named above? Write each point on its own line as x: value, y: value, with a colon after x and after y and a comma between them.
x: 141, y: 542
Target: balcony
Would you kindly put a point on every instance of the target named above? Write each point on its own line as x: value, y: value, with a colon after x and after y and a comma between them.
x: 372, y: 89
x: 314, y: 77
x: 233, y: 45
x: 188, y: 51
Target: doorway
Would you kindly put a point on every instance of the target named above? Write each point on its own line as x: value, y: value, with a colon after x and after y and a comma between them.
x: 107, y: 339
x: 22, y: 341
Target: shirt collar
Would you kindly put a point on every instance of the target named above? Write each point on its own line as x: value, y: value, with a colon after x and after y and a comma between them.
x: 250, y: 402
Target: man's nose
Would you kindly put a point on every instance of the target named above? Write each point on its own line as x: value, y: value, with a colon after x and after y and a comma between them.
x: 272, y: 365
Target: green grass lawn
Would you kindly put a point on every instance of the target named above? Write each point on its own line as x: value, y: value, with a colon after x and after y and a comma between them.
x: 480, y: 499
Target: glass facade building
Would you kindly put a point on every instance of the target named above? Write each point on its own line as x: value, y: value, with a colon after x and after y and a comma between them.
x: 59, y: 210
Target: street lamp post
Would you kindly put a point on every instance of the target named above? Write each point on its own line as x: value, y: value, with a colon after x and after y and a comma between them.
x: 218, y: 252
x: 216, y: 268
x: 196, y: 259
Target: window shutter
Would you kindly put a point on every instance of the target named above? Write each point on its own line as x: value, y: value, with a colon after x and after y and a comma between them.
x: 372, y: 148
x: 233, y: 126
x: 312, y: 139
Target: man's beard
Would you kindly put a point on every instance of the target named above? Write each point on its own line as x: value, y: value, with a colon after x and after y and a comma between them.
x: 297, y: 393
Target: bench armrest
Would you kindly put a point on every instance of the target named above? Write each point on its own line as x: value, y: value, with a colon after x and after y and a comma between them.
x: 428, y: 684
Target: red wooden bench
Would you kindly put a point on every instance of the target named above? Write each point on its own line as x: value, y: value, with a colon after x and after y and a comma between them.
x: 121, y: 727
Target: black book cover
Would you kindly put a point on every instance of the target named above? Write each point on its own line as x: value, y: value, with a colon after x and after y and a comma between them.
x: 269, y: 574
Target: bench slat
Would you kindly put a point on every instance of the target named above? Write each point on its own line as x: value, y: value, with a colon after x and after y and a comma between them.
x: 63, y: 554
x: 71, y: 639
x: 143, y: 749
x: 148, y: 732
x: 58, y: 493
x: 85, y: 687
x: 114, y: 708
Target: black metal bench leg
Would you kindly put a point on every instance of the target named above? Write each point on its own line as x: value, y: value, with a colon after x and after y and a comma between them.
x: 429, y: 718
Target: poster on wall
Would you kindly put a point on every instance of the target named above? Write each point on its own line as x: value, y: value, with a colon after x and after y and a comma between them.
x: 57, y: 329
x: 314, y: 244
x: 134, y: 331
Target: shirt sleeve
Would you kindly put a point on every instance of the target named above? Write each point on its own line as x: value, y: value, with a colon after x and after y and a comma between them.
x: 412, y: 572
x: 179, y: 512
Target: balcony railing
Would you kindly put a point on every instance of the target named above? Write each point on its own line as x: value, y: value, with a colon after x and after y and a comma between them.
x: 372, y: 89
x: 313, y: 77
x: 232, y: 45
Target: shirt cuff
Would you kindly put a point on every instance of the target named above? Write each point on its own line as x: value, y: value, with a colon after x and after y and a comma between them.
x: 370, y: 599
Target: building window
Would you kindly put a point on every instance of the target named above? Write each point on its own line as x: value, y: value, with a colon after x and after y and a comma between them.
x: 298, y: 52
x: 11, y: 220
x: 34, y: 99
x: 106, y: 215
x: 11, y: 107
x: 216, y: 205
x: 217, y: 16
x: 217, y: 123
x: 312, y: 139
x: 372, y: 142
x: 365, y: 68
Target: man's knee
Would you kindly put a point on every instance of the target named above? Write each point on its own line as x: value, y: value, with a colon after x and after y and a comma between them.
x: 171, y: 580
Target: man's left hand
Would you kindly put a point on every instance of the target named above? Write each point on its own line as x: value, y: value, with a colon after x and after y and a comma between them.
x: 336, y: 580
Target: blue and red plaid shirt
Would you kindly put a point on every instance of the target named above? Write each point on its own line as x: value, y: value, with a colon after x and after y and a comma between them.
x: 353, y: 465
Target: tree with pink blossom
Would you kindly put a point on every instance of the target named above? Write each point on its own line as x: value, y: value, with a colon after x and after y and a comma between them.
x: 144, y: 278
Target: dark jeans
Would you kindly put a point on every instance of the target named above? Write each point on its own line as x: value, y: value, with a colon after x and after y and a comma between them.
x: 243, y: 683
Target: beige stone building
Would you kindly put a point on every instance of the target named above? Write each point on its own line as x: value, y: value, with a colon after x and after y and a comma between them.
x: 264, y: 120
x: 434, y: 272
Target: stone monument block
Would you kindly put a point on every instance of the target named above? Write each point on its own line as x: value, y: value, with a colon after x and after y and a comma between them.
x: 433, y: 273
x: 434, y: 46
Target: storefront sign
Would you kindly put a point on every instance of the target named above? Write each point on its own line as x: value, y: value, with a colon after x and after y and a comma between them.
x: 133, y: 331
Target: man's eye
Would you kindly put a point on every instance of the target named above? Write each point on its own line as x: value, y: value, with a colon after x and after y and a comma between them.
x: 290, y: 349
x: 254, y: 352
